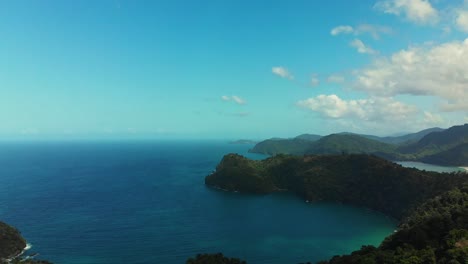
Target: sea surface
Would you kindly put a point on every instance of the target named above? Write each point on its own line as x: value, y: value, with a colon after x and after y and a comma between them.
x: 429, y: 167
x: 146, y: 202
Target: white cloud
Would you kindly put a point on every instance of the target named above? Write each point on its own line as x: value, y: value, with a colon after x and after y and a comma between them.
x: 282, y: 72
x: 236, y: 99
x: 335, y: 78
x: 432, y: 119
x: 383, y: 115
x: 377, y: 109
x: 462, y: 20
x: 373, y: 30
x: 418, y: 11
x: 437, y: 70
x: 314, y: 80
x: 341, y: 30
x: 361, y: 47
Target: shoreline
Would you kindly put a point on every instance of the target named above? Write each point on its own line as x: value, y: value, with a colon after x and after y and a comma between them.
x: 464, y: 168
x: 26, y: 248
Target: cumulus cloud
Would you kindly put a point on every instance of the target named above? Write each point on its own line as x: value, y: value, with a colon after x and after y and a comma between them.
x: 462, y: 20
x: 376, y: 109
x: 379, y: 114
x: 236, y: 99
x: 418, y: 11
x: 341, y: 30
x: 282, y: 72
x: 373, y: 30
x: 335, y: 78
x: 361, y: 47
x: 437, y: 70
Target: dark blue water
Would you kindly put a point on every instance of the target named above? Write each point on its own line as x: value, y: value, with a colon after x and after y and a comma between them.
x: 146, y: 202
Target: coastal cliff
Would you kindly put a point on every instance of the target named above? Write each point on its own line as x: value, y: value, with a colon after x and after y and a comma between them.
x: 12, y: 245
x: 11, y: 242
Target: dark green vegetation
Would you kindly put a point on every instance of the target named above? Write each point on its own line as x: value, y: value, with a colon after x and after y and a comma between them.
x: 436, y: 146
x: 436, y: 232
x: 295, y: 146
x: 433, y: 207
x: 455, y: 155
x: 12, y: 245
x: 11, y: 242
x: 348, y: 143
x: 357, y: 179
x: 214, y: 259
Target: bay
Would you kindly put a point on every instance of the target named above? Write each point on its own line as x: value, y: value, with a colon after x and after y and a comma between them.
x: 146, y: 202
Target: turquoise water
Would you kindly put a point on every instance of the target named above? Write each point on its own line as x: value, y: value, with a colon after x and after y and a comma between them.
x: 146, y: 202
x: 428, y: 167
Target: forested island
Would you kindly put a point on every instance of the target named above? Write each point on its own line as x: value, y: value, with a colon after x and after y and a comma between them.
x: 432, y: 207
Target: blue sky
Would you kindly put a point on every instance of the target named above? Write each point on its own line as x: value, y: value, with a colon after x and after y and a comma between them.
x: 230, y: 69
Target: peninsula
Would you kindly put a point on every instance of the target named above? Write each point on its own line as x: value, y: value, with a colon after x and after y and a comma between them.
x: 432, y: 207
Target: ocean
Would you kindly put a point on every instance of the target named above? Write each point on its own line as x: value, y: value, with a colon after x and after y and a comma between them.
x: 146, y: 202
x: 429, y: 167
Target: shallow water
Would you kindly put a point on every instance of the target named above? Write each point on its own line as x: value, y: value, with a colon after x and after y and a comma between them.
x: 146, y: 202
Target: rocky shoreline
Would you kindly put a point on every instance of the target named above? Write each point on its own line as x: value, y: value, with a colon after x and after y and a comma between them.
x: 13, y: 247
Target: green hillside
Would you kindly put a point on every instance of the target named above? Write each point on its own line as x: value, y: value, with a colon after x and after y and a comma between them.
x: 282, y: 146
x: 309, y: 137
x: 435, y: 145
x: 355, y: 179
x: 332, y: 144
x: 455, y: 156
x: 408, y: 138
x: 436, y: 232
x: 348, y: 143
x: 436, y: 142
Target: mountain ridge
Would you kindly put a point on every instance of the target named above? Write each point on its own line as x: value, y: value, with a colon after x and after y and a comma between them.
x: 432, y: 144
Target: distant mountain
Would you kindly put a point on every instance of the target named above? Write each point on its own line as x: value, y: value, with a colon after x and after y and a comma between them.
x: 295, y: 146
x: 243, y: 142
x: 436, y: 142
x: 348, y: 143
x: 412, y: 137
x: 285, y: 146
x: 433, y: 145
x: 454, y: 156
x: 309, y: 137
x: 331, y: 144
